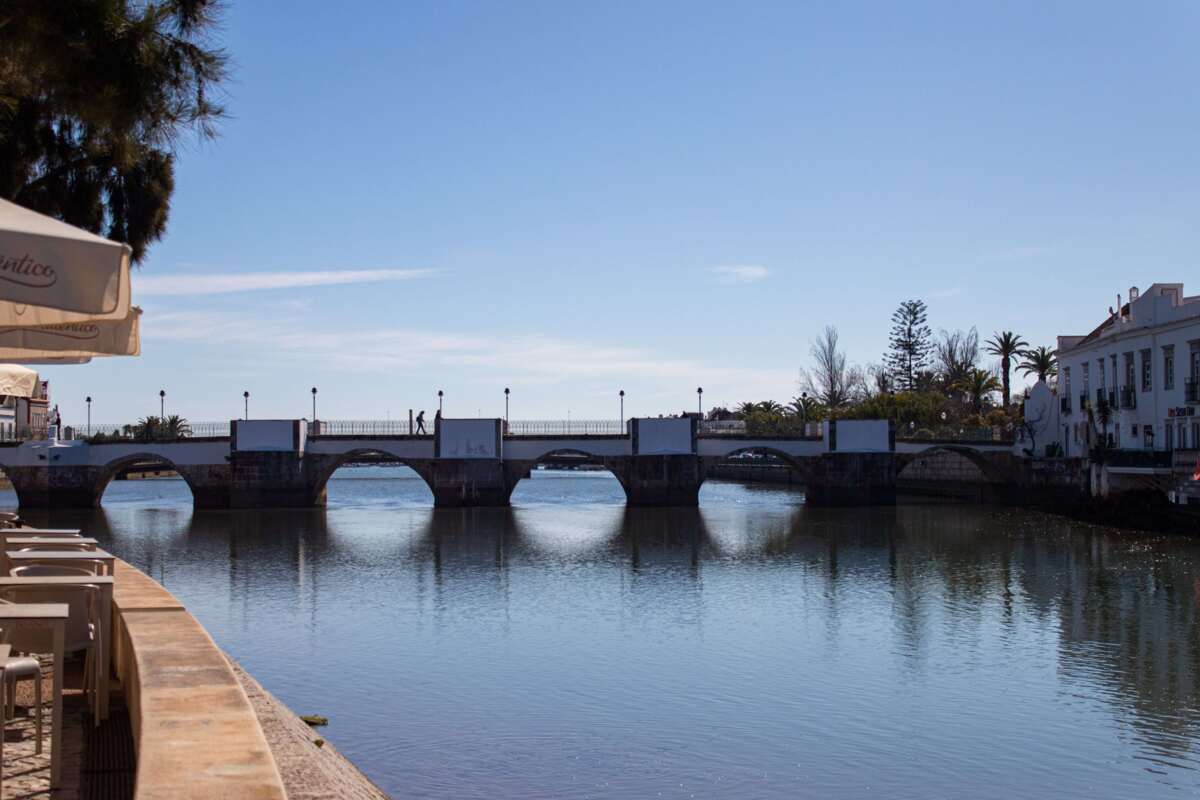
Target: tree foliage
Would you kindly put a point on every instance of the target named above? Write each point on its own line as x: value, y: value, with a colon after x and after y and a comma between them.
x: 909, y: 346
x: 95, y: 97
x: 955, y: 357
x: 1006, y: 345
x: 829, y: 380
x: 1039, y: 361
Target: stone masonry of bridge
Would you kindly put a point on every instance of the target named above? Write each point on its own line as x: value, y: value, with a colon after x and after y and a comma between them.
x: 469, y: 463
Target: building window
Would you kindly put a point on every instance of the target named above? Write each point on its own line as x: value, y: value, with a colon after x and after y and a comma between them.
x: 1129, y: 375
x: 1100, y: 372
x: 1169, y: 367
x: 1170, y: 441
x: 1183, y: 435
x: 1147, y: 370
x: 1196, y: 434
x: 1086, y: 383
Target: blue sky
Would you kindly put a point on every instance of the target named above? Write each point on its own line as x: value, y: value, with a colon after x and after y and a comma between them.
x: 571, y: 199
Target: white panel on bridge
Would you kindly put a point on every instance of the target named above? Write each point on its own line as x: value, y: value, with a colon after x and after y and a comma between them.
x: 861, y: 436
x: 662, y: 437
x: 268, y: 435
x: 469, y: 438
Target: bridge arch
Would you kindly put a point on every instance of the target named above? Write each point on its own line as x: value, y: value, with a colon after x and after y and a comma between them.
x: 988, y: 467
x: 111, y: 469
x: 324, y: 466
x: 799, y: 464
x: 523, y: 469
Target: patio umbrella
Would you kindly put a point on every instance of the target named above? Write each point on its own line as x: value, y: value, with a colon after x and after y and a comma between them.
x: 73, y: 339
x: 53, y: 273
x: 17, y: 381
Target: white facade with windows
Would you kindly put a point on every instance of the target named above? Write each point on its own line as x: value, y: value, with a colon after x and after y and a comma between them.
x: 1143, y: 363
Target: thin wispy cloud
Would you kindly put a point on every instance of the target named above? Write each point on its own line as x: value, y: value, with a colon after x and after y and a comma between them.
x: 533, y: 357
x: 740, y: 273
x: 226, y: 283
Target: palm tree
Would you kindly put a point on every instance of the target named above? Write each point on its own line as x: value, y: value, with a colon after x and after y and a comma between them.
x: 770, y: 407
x: 805, y: 406
x: 176, y: 427
x: 1040, y: 360
x: 147, y: 429
x: 746, y: 409
x: 1005, y: 345
x: 977, y: 385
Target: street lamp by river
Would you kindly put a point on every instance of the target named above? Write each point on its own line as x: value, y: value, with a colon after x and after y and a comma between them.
x: 622, y: 395
x: 314, y: 394
x: 439, y: 399
x: 162, y: 402
x: 700, y: 401
x: 246, y: 400
x: 89, y: 407
x: 506, y: 405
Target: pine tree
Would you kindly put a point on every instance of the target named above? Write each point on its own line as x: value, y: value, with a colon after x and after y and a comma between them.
x: 909, y: 346
x: 96, y: 96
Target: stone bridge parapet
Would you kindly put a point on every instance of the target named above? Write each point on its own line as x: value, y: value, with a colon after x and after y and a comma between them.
x: 658, y: 462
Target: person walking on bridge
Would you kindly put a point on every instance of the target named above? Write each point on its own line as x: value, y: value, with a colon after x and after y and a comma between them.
x: 421, y: 422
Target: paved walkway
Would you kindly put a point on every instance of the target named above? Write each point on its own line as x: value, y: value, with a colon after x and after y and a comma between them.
x: 98, y: 763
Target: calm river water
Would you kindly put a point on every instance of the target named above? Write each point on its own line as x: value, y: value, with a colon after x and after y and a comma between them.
x: 570, y: 647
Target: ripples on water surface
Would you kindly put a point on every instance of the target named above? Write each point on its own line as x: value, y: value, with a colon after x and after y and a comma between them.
x: 755, y: 647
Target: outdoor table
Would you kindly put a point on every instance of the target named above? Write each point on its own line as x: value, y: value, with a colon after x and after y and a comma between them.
x: 41, y: 615
x: 63, y: 558
x: 54, y: 543
x: 105, y: 584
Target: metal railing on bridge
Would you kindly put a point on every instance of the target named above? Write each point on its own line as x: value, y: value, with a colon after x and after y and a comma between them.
x: 138, y: 432
x: 569, y: 427
x: 523, y: 427
x: 954, y: 433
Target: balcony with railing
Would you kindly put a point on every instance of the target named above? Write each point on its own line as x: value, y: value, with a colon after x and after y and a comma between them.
x: 1128, y: 397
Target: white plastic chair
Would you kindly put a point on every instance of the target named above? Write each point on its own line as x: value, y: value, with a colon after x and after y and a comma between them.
x: 20, y: 668
x: 82, y: 630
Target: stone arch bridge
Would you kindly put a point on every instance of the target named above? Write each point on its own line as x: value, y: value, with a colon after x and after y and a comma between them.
x: 471, y: 462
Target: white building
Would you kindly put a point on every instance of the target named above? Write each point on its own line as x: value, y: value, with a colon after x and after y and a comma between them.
x: 1143, y: 363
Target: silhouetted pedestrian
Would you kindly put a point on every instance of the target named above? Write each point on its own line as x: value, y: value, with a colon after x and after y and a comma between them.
x: 421, y: 421
x: 437, y: 420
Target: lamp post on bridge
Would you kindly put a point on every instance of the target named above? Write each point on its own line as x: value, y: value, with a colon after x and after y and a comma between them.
x: 505, y: 406
x: 804, y: 413
x: 622, y: 420
x: 246, y: 400
x: 314, y: 394
x: 89, y: 408
x: 700, y: 401
x: 162, y: 403
x: 439, y: 400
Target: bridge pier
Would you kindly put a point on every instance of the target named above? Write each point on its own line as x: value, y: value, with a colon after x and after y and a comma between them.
x: 73, y: 486
x: 660, y: 480
x: 851, y: 479
x: 469, y: 483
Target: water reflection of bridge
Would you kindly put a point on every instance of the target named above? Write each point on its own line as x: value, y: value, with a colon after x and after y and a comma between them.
x: 1120, y: 608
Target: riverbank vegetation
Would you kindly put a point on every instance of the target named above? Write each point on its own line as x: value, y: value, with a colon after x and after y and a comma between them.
x: 930, y: 386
